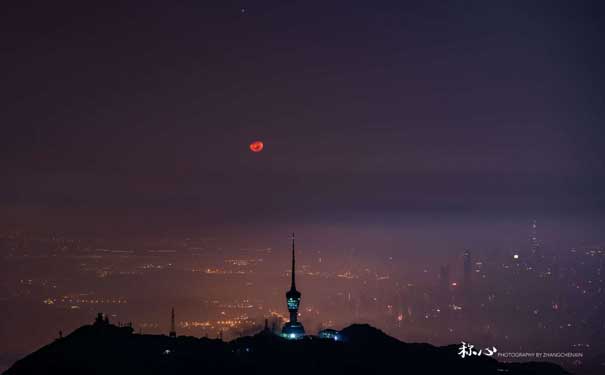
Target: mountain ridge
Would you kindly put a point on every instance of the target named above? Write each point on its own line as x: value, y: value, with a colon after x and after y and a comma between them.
x: 109, y: 349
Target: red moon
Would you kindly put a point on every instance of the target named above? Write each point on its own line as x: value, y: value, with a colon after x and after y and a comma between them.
x: 256, y: 146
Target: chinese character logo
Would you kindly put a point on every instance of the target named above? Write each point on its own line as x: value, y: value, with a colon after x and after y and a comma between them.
x: 468, y: 350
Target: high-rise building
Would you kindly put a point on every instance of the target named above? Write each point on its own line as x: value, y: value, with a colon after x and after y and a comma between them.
x: 468, y: 294
x: 444, y: 285
x: 444, y: 301
x: 293, y: 329
x: 172, y: 328
x: 467, y: 271
x: 533, y: 239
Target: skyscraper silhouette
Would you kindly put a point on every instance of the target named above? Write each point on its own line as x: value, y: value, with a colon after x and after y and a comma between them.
x: 467, y: 293
x: 172, y: 328
x: 293, y: 329
x: 533, y: 239
x: 467, y: 271
x: 444, y: 285
x: 444, y: 299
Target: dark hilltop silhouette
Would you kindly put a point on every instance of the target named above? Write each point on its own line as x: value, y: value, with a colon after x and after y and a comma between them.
x: 103, y: 348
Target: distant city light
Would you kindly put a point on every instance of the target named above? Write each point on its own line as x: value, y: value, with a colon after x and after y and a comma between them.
x: 516, y: 256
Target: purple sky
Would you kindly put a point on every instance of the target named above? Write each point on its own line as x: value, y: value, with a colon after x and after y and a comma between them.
x: 130, y: 118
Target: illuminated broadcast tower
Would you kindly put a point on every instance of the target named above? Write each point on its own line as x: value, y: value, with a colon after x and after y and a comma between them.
x: 293, y: 329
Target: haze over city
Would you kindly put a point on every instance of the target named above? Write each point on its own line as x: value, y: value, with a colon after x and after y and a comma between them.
x: 440, y: 163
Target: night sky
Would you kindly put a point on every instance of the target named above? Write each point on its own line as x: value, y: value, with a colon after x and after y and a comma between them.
x: 431, y: 116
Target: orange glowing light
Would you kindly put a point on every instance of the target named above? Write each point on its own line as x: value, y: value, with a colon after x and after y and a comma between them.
x: 256, y: 146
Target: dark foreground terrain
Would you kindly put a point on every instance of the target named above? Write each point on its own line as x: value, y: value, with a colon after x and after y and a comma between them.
x: 108, y: 349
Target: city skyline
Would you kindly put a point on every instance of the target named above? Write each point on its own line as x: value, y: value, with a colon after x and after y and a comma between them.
x: 230, y: 292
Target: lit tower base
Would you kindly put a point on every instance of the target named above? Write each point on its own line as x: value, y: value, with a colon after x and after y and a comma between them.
x: 293, y: 330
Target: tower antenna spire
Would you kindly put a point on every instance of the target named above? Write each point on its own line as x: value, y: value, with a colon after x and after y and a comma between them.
x: 293, y: 285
